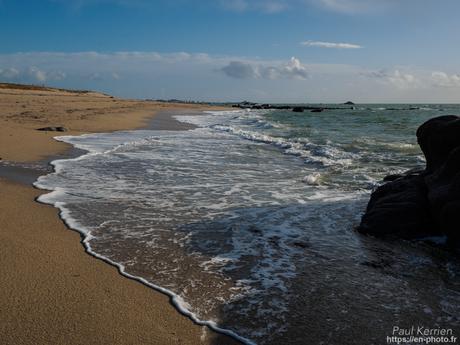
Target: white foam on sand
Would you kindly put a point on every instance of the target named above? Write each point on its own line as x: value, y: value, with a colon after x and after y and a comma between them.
x: 58, y: 193
x: 246, y: 215
x: 274, y: 242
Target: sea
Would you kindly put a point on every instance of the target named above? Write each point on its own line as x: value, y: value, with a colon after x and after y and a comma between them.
x: 248, y: 221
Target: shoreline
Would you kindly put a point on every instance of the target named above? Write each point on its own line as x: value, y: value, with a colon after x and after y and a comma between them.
x: 27, y: 172
x: 52, y: 294
x: 163, y: 120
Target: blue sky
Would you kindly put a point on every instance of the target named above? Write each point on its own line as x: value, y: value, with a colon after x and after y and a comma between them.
x: 267, y: 51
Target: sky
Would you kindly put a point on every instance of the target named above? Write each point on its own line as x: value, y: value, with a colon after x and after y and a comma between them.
x: 367, y: 51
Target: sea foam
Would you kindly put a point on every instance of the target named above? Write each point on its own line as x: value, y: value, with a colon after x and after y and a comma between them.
x: 246, y: 220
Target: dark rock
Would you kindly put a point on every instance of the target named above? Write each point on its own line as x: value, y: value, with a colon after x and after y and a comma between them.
x: 246, y: 105
x: 349, y: 103
x: 250, y: 105
x: 425, y: 202
x: 437, y: 138
x: 52, y: 129
x: 298, y: 109
x: 449, y: 222
x: 444, y: 193
x: 317, y: 110
x: 377, y: 264
x: 399, y: 208
x: 393, y: 177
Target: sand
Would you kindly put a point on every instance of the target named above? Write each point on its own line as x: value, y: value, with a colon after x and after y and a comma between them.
x: 52, y: 292
x: 23, y: 111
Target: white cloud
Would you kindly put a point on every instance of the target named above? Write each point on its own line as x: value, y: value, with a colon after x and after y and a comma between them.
x: 29, y: 74
x: 293, y: 69
x: 95, y: 76
x: 9, y: 73
x: 415, y: 79
x: 403, y: 80
x: 355, y: 6
x: 442, y: 79
x: 241, y: 70
x: 396, y: 78
x: 56, y: 75
x: 330, y: 45
x: 36, y: 74
x: 209, y: 77
x: 103, y: 76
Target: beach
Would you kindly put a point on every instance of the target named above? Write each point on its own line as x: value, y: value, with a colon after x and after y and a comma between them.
x: 247, y: 220
x: 53, y: 292
x: 242, y: 219
x: 250, y: 172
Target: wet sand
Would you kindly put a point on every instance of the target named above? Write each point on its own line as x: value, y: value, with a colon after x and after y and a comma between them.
x: 52, y: 291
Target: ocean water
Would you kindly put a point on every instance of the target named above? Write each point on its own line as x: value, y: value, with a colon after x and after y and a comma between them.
x: 248, y: 221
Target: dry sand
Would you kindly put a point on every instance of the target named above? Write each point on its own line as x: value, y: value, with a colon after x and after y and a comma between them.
x: 51, y: 291
x: 22, y: 111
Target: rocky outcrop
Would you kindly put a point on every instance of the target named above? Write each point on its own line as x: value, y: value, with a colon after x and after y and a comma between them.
x: 422, y: 203
x: 437, y: 138
x: 295, y: 108
x: 52, y: 129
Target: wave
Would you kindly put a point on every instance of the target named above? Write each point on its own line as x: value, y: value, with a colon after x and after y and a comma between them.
x: 252, y: 219
x: 401, y: 108
x: 312, y: 179
x: 58, y: 193
x: 229, y: 223
x: 312, y: 153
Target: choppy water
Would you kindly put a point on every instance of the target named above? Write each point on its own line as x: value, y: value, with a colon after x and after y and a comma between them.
x: 248, y: 220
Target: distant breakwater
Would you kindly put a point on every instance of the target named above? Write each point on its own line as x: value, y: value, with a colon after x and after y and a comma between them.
x: 294, y: 108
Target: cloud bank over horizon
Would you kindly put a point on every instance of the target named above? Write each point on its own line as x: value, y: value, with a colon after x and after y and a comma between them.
x: 263, y: 50
x: 227, y: 78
